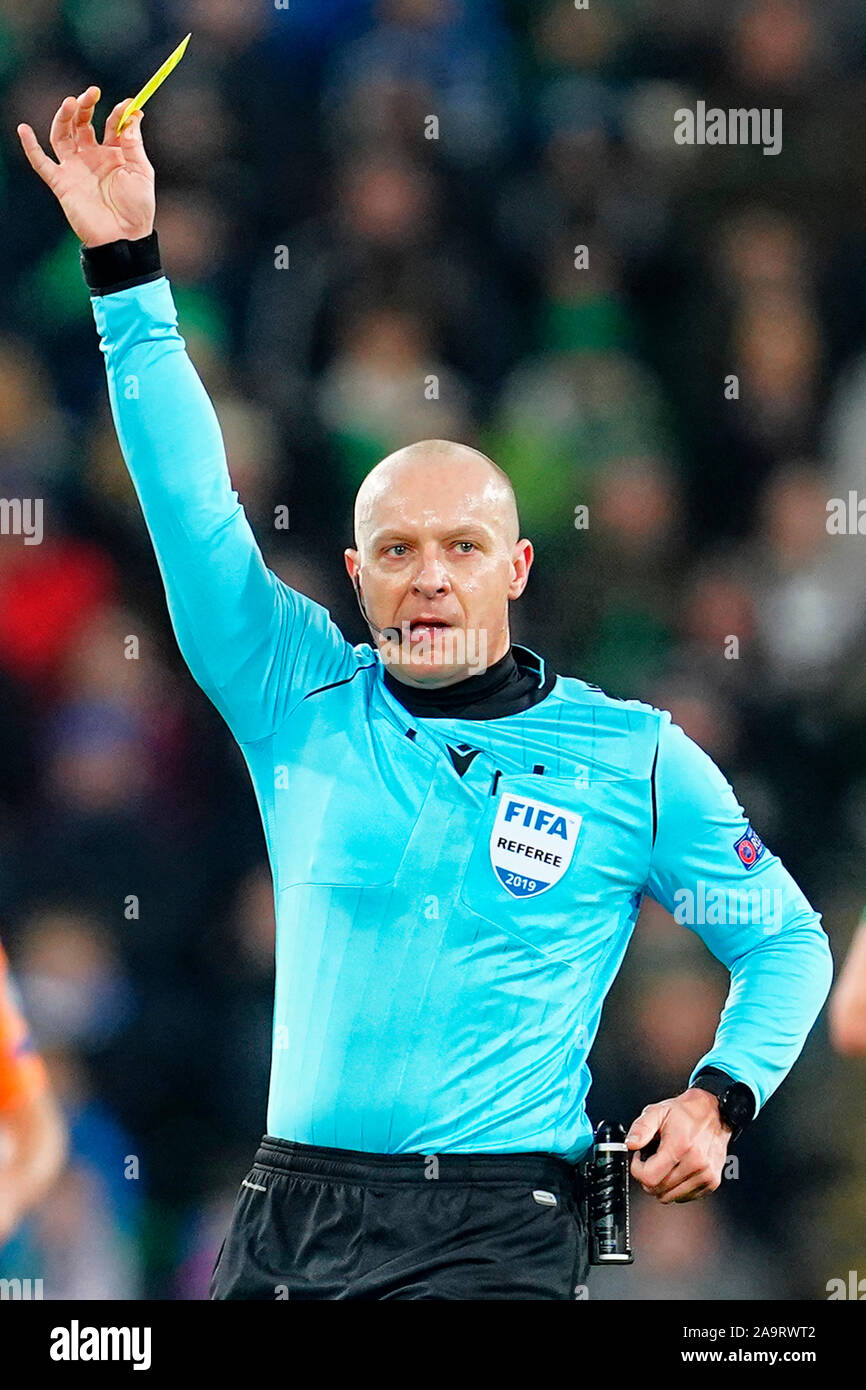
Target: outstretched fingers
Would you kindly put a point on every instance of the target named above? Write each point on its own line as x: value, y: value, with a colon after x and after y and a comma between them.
x: 71, y: 128
x: 63, y: 134
x: 83, y: 120
x: 36, y: 156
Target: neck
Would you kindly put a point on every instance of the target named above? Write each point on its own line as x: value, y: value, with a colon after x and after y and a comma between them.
x: 507, y: 687
x: 456, y: 687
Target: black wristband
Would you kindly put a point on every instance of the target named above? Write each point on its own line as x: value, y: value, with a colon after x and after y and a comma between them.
x: 719, y: 1080
x: 121, y: 264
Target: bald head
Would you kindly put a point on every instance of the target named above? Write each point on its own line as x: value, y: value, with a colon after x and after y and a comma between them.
x: 437, y: 475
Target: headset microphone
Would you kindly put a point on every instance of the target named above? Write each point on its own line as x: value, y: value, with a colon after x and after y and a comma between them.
x: 391, y: 634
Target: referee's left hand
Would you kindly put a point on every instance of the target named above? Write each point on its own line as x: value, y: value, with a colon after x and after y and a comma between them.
x: 692, y: 1147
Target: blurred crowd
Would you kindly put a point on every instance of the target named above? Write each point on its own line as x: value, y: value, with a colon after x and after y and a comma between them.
x: 371, y: 213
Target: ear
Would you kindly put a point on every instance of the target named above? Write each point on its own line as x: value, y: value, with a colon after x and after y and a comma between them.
x: 521, y: 560
x: 353, y: 563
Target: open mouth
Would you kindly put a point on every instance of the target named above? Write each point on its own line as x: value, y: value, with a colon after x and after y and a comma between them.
x: 421, y: 629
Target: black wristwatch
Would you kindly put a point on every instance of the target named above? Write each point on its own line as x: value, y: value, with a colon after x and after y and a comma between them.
x: 736, y: 1100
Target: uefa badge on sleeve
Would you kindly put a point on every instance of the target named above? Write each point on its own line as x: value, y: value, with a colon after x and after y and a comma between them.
x: 531, y: 844
x: 749, y: 848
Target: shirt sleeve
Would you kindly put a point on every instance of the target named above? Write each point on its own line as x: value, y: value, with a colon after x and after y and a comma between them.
x: 254, y: 645
x: 712, y: 872
x: 22, y: 1072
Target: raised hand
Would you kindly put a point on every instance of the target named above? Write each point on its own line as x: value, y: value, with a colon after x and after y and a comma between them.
x: 106, y: 190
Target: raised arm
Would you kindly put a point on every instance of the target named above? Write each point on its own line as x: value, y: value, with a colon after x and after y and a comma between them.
x: 253, y: 644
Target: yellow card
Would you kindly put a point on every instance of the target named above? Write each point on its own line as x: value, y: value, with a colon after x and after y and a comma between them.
x: 156, y: 81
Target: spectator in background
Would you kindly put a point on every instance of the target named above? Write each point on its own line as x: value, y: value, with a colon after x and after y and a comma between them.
x: 448, y: 58
x: 383, y: 388
x: 848, y: 1000
x: 391, y: 238
x: 32, y: 1130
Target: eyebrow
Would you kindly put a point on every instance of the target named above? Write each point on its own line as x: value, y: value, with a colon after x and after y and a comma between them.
x: 392, y: 535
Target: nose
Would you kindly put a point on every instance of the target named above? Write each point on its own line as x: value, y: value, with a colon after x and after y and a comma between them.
x: 432, y: 578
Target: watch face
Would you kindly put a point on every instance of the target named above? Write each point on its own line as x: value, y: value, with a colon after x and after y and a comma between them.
x: 737, y: 1105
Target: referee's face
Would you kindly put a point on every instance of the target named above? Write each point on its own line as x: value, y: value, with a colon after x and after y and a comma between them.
x: 438, y: 559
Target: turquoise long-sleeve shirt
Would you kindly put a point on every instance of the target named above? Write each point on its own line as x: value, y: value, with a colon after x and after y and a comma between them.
x: 445, y: 942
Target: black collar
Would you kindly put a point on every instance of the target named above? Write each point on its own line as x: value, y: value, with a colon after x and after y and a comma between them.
x: 514, y: 683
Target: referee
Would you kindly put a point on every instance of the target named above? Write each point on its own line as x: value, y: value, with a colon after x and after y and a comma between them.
x: 459, y: 840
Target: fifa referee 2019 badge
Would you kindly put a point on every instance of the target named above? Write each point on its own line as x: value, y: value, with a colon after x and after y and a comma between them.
x: 531, y: 844
x: 749, y: 848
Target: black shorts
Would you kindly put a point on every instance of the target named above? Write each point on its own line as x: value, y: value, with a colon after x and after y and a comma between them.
x: 312, y: 1223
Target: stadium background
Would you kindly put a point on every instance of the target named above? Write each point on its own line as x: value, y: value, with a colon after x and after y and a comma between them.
x: 602, y: 387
